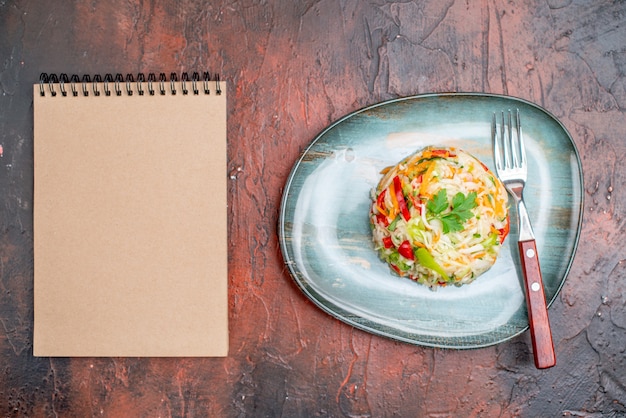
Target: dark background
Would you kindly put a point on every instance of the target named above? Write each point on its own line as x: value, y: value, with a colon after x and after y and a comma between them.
x: 293, y: 68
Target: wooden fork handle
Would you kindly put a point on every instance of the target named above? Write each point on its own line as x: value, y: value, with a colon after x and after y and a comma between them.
x: 543, y: 348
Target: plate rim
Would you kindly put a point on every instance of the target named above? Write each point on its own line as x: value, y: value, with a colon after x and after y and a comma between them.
x: 347, y: 317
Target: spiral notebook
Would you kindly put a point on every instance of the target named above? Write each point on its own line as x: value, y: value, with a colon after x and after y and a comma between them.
x: 130, y: 255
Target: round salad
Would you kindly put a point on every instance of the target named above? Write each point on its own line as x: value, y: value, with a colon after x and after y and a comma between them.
x: 439, y: 217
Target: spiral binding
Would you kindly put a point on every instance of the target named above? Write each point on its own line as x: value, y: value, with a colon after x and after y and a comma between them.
x: 129, y: 85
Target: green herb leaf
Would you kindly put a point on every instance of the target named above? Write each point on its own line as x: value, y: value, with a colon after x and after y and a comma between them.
x: 451, y: 223
x: 438, y: 203
x: 462, y: 203
x: 461, y: 211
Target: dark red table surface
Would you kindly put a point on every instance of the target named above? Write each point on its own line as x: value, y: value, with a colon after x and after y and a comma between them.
x: 293, y: 68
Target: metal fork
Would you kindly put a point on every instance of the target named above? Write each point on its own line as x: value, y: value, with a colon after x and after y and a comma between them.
x: 511, y: 166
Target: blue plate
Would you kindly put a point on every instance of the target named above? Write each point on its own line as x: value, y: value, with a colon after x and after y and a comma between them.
x: 325, y: 234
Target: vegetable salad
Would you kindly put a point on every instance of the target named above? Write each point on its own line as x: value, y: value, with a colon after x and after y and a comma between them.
x: 439, y: 217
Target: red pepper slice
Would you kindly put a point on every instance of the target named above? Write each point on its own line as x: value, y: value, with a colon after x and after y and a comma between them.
x: 404, y: 210
x: 397, y: 269
x: 440, y: 152
x: 419, y: 208
x: 387, y: 242
x: 382, y: 219
x: 406, y: 251
x: 505, y: 231
x: 380, y: 201
x: 417, y: 203
x: 444, y: 153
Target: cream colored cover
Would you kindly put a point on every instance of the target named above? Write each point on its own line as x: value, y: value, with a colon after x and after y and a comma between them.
x: 130, y: 248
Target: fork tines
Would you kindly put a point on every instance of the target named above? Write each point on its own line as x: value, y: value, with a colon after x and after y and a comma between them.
x: 508, y: 149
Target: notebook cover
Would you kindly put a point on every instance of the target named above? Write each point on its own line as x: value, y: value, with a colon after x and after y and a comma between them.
x: 130, y: 219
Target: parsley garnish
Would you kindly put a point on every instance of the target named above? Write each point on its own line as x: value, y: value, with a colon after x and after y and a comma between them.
x: 438, y: 203
x: 460, y: 210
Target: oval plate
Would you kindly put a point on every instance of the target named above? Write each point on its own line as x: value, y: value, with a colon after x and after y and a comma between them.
x: 325, y: 234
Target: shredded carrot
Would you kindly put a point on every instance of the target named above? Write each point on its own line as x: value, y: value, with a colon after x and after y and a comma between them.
x: 426, y: 179
x: 494, y: 203
x: 500, y: 208
x: 381, y: 211
x: 421, y: 166
x: 395, y: 209
x: 487, y: 201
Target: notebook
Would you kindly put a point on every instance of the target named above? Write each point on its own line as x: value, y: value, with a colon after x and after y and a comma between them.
x: 130, y: 251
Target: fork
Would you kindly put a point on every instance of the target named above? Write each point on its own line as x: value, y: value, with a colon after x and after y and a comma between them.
x: 512, y: 169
